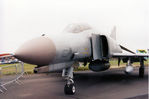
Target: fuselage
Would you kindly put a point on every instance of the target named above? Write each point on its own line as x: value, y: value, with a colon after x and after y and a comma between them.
x: 77, y: 46
x: 67, y: 47
x: 77, y: 43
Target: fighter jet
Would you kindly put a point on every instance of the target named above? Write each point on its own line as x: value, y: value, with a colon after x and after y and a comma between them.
x: 77, y: 43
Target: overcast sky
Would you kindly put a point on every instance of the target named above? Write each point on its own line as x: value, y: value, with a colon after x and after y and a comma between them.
x: 21, y: 20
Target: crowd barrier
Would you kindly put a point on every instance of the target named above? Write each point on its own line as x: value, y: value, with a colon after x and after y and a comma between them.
x: 10, y: 74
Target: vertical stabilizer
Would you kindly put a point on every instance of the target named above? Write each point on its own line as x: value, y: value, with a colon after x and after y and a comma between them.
x: 113, y: 33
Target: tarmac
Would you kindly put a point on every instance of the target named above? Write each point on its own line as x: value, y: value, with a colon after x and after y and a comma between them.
x: 110, y: 84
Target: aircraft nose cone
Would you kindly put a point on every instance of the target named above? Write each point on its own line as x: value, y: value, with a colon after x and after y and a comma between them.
x: 40, y: 51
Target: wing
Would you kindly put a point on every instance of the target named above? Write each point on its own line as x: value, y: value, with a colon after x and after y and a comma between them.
x: 129, y: 55
x: 132, y: 56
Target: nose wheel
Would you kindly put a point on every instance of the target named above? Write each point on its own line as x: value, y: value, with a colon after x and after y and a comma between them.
x: 69, y: 88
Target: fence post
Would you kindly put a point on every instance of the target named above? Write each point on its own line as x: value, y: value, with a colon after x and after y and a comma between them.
x: 16, y: 69
x: 0, y: 74
x: 22, y: 64
x: 0, y: 79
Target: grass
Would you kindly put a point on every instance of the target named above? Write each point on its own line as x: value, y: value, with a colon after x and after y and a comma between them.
x: 28, y: 68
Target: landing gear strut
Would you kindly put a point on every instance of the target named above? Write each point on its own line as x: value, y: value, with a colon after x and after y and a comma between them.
x: 69, y: 88
x: 141, y: 69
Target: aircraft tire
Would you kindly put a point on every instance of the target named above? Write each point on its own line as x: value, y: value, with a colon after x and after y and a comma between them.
x: 69, y: 89
x: 141, y: 72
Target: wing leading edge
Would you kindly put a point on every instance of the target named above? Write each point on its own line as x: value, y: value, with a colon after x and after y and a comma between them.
x: 129, y: 55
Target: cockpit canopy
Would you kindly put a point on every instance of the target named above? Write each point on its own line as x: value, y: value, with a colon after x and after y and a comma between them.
x: 77, y: 27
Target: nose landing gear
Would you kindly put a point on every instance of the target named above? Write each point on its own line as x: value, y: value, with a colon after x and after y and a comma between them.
x: 69, y: 88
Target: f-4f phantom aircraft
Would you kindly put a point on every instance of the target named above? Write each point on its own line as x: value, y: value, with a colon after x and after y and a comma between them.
x: 78, y: 43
